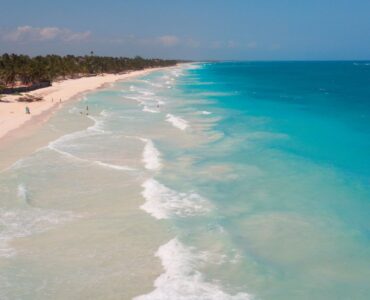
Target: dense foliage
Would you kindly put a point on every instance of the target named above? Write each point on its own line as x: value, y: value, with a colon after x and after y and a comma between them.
x: 28, y: 70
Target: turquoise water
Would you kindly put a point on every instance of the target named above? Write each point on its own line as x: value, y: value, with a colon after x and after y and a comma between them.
x: 204, y: 181
x: 293, y: 198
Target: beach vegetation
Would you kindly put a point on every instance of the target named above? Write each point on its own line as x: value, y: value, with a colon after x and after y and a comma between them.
x: 23, y: 70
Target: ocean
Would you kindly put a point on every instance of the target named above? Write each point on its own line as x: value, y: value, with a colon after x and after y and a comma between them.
x: 222, y: 181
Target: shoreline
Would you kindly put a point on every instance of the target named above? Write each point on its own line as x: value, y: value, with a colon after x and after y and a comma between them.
x: 12, y: 113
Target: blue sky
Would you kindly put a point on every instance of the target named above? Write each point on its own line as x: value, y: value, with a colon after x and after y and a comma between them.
x: 189, y: 29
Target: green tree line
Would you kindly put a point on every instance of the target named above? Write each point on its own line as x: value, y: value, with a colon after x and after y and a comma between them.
x: 29, y: 70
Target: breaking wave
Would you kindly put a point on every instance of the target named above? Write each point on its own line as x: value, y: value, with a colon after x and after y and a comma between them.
x: 151, y: 155
x: 181, y: 280
x: 163, y: 202
x: 177, y: 121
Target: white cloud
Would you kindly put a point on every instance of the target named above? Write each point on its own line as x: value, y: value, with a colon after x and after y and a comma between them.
x: 231, y: 44
x: 77, y: 36
x: 165, y: 41
x: 192, y: 43
x: 168, y: 40
x: 32, y: 34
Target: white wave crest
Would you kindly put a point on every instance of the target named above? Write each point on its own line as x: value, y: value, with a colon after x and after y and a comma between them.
x: 177, y: 73
x: 112, y: 166
x: 163, y: 203
x: 158, y: 85
x: 148, y: 102
x: 57, y: 145
x: 151, y: 155
x: 98, y: 125
x: 96, y: 128
x: 151, y: 110
x: 181, y: 280
x: 204, y: 112
x: 177, y: 121
x: 195, y: 66
x: 73, y: 110
x: 145, y: 92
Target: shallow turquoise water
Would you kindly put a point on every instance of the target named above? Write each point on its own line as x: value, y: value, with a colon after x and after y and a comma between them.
x: 294, y: 198
x: 257, y: 175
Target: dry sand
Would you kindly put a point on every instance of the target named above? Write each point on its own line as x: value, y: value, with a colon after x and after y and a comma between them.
x: 13, y: 114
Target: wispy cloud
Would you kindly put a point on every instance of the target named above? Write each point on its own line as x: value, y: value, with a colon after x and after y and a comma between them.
x: 172, y: 40
x: 232, y: 44
x: 192, y: 43
x: 165, y: 41
x: 32, y: 34
x: 168, y: 40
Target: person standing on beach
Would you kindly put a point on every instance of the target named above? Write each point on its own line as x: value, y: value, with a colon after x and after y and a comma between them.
x: 28, y: 110
x: 87, y: 110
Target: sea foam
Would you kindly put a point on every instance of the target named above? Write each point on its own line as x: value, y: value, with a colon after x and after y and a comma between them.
x: 163, y: 202
x: 26, y: 221
x: 204, y: 112
x: 95, y: 129
x: 177, y: 121
x: 181, y: 280
x: 151, y: 155
x: 113, y: 166
x: 148, y: 102
x: 146, y: 108
x: 57, y: 145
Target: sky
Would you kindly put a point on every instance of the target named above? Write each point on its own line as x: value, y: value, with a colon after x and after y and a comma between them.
x: 189, y: 29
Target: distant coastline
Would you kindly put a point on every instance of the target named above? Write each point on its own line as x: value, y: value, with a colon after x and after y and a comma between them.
x: 13, y: 113
x: 19, y: 73
x: 51, y: 80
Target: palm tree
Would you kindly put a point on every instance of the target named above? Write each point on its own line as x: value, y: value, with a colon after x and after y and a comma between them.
x: 47, y: 68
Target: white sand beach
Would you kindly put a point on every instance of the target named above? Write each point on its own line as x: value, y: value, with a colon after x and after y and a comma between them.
x: 13, y: 114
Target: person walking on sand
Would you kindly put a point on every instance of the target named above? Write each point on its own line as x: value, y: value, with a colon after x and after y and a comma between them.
x: 87, y: 110
x: 28, y: 110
